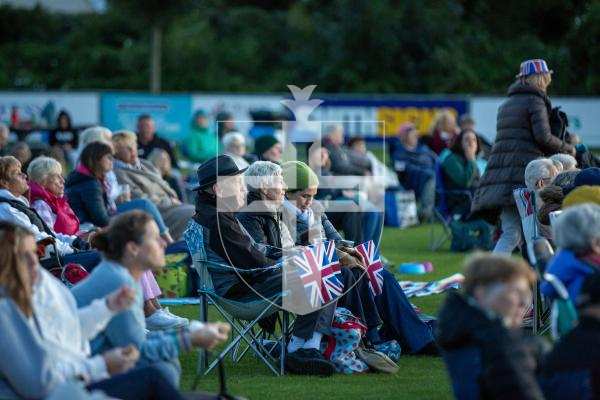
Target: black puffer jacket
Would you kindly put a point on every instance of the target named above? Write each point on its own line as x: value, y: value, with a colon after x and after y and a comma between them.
x: 509, y: 359
x: 523, y: 134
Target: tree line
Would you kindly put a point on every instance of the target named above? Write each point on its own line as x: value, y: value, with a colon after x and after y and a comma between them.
x: 360, y: 46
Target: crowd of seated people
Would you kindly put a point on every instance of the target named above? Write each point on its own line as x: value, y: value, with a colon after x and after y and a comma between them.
x: 122, y: 204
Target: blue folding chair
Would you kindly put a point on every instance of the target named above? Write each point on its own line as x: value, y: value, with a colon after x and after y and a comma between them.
x: 243, y: 316
x: 441, y: 214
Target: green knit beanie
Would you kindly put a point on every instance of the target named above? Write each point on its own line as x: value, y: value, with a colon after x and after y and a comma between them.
x: 298, y: 176
x: 264, y: 143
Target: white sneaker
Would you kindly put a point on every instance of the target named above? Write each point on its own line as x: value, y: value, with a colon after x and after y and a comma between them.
x: 183, y: 321
x: 161, y: 321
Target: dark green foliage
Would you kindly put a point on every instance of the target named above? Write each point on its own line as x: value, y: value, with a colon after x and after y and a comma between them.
x: 369, y: 46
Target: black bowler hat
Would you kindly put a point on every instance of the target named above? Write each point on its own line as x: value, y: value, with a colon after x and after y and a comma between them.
x: 210, y: 170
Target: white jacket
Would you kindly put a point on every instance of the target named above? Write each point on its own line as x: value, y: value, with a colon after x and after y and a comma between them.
x: 67, y: 330
x: 9, y: 213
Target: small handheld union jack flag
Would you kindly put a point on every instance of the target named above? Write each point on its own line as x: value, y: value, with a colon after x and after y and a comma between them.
x: 319, y: 270
x: 374, y: 266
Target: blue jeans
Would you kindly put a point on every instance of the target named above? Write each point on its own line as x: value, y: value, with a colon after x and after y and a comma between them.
x: 88, y: 259
x: 140, y: 383
x: 401, y: 322
x: 373, y: 223
x: 146, y: 206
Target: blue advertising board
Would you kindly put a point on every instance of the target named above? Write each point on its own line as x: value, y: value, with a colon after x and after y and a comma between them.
x: 171, y: 113
x: 364, y: 116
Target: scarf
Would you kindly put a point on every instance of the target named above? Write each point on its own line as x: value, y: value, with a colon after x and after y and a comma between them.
x: 66, y: 221
x: 307, y: 217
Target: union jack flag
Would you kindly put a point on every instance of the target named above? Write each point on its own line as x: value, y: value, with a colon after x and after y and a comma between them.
x: 319, y: 270
x: 374, y: 266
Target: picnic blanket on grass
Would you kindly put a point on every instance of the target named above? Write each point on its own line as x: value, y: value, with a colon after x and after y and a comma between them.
x: 411, y: 289
x: 420, y: 289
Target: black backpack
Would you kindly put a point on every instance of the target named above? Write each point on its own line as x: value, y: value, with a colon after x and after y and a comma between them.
x: 559, y: 123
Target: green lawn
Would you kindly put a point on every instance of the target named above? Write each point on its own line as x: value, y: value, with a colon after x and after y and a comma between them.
x: 418, y: 378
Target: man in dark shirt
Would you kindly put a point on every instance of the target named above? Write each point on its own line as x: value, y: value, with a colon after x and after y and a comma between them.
x: 148, y: 140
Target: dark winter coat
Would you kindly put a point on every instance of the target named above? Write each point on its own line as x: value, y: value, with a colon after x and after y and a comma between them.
x: 341, y: 164
x: 578, y: 351
x: 260, y: 222
x: 523, y: 134
x: 231, y: 242
x: 508, y: 358
x: 87, y: 198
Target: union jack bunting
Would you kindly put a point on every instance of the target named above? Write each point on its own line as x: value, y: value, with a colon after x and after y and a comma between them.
x: 374, y: 266
x: 319, y: 270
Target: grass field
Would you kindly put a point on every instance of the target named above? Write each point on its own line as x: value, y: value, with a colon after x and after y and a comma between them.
x: 418, y: 378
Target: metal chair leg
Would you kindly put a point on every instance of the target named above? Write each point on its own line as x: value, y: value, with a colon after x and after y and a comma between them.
x: 284, y: 335
x: 202, y: 357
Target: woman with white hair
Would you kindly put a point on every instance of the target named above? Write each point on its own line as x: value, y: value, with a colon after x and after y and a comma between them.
x: 47, y: 195
x: 568, y: 161
x: 262, y: 216
x: 577, y: 233
x: 234, y: 145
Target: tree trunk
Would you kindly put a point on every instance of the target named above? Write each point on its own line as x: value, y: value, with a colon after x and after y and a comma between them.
x: 155, y: 59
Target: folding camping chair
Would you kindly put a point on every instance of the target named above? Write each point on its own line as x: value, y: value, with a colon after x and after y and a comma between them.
x: 539, y: 252
x: 441, y: 214
x: 554, y: 216
x: 243, y: 316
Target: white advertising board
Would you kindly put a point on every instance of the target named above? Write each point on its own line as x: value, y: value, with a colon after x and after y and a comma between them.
x: 583, y: 113
x: 38, y: 109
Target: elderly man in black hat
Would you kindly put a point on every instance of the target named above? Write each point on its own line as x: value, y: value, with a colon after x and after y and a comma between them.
x: 220, y: 195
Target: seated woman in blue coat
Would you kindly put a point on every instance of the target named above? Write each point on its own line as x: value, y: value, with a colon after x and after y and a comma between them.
x: 400, y: 322
x: 577, y: 234
x: 415, y: 164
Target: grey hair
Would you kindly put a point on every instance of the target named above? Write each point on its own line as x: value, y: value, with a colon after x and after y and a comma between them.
x: 94, y: 134
x: 558, y: 165
x: 577, y: 227
x: 39, y: 169
x: 566, y: 178
x: 154, y: 154
x: 538, y: 169
x: 261, y: 172
x: 231, y: 137
x: 333, y: 129
x: 568, y: 161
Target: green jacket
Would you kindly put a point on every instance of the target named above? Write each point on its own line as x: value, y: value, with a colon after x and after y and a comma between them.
x: 461, y: 172
x: 201, y: 144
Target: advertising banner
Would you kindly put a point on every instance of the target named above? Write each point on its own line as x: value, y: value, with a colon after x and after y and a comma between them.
x: 583, y: 114
x: 171, y: 113
x: 361, y: 116
x: 38, y: 110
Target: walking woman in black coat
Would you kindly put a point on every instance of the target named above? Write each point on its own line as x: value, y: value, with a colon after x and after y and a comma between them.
x: 523, y: 134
